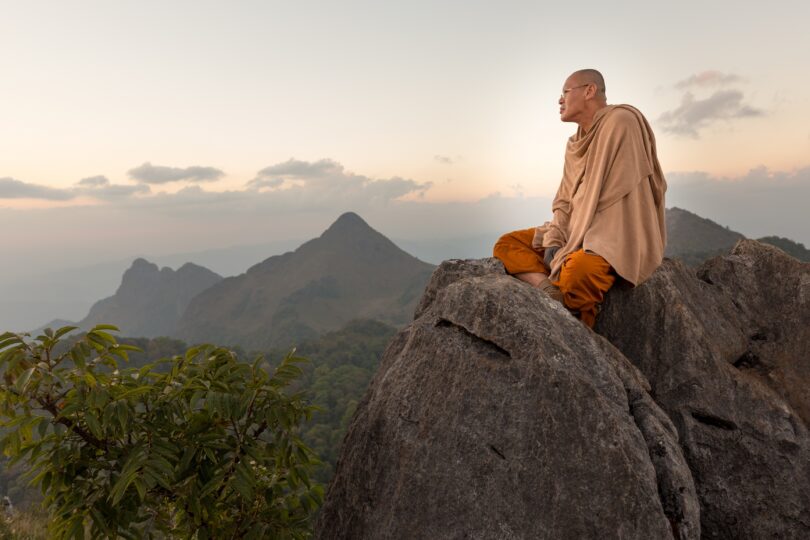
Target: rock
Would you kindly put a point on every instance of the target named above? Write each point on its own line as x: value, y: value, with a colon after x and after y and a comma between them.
x: 496, y: 414
x: 772, y: 292
x: 727, y: 359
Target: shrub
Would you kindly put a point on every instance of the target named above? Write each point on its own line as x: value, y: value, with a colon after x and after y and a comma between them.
x: 205, y: 447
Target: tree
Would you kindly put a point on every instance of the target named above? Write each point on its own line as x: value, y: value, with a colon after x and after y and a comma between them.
x: 206, y: 447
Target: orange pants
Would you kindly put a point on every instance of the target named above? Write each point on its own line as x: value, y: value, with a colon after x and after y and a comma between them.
x: 584, y: 277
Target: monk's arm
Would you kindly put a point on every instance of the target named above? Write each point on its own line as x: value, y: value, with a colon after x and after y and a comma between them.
x: 556, y: 235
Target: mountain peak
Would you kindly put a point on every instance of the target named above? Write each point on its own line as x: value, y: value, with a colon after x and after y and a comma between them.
x: 349, y: 217
x: 351, y: 271
x: 349, y: 222
x: 150, y: 300
x: 348, y: 226
x: 142, y: 264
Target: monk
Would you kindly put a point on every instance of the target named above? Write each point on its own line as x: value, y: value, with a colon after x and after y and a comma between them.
x: 608, y: 215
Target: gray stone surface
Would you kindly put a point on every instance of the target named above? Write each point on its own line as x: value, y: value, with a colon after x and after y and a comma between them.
x: 496, y: 414
x: 771, y: 290
x: 727, y: 359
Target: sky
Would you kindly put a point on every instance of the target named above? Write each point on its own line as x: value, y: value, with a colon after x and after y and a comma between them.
x: 167, y: 127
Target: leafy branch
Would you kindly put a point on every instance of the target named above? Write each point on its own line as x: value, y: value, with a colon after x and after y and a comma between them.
x: 201, y: 444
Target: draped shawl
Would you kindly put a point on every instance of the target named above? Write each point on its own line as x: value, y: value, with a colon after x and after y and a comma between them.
x: 611, y: 197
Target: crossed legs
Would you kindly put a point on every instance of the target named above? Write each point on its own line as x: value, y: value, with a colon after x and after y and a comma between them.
x: 584, y: 277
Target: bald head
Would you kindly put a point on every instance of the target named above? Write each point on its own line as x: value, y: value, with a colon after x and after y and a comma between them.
x: 591, y: 76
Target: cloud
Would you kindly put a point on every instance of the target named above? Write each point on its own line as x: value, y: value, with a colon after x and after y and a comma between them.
x: 110, y: 192
x: 98, y: 187
x: 708, y: 78
x: 264, y: 182
x: 94, y: 181
x: 293, y: 168
x: 15, y: 189
x: 158, y: 174
x: 287, y: 187
x: 326, y: 182
x: 695, y: 114
x: 445, y: 160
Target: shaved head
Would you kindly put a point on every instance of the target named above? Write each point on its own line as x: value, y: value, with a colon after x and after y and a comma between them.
x: 590, y: 76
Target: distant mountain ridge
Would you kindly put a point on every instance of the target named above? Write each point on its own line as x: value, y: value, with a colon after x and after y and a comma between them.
x: 150, y: 301
x: 694, y: 239
x: 351, y: 271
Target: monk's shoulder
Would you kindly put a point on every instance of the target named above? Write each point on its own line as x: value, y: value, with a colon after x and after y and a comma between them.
x: 622, y: 116
x: 621, y: 120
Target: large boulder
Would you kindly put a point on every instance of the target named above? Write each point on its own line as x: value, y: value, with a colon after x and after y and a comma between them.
x: 496, y: 414
x: 728, y: 358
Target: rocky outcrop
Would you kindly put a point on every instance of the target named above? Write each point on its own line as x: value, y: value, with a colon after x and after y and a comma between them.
x: 728, y: 358
x: 496, y: 414
x: 772, y: 293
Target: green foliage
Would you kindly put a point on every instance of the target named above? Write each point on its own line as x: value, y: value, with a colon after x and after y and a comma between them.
x: 342, y: 366
x: 201, y: 446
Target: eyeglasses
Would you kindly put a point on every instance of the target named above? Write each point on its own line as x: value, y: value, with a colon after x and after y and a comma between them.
x: 566, y: 90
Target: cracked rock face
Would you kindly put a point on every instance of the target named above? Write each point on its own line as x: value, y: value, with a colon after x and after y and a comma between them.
x: 496, y: 414
x: 728, y: 359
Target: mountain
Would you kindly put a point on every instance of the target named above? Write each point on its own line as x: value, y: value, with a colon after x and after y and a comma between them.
x: 351, y: 271
x: 694, y: 239
x: 150, y: 301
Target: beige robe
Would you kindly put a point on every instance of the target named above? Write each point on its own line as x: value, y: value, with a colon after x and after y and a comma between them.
x: 611, y: 198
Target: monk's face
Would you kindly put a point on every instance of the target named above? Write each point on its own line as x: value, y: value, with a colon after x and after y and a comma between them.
x: 572, y: 99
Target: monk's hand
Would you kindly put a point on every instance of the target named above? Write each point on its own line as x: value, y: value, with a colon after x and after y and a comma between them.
x: 549, y: 254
